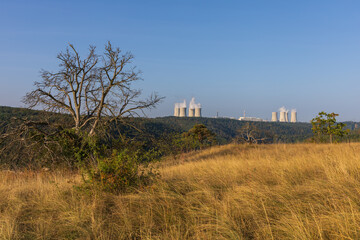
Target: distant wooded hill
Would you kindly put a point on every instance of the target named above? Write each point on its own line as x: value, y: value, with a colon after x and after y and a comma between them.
x: 225, y: 129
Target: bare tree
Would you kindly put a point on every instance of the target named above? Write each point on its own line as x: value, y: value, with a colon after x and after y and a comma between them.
x: 250, y: 134
x: 94, y: 89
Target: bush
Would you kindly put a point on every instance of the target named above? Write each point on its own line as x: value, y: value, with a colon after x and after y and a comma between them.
x: 77, y: 148
x: 198, y: 137
x: 121, y: 172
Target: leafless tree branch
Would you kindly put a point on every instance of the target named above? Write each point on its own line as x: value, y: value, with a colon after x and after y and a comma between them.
x: 92, y: 88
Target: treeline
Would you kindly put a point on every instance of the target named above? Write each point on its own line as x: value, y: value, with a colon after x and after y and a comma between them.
x: 32, y: 138
x: 38, y: 138
x: 41, y: 138
x: 226, y: 130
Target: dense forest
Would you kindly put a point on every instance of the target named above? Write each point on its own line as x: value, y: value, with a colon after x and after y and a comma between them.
x: 225, y: 129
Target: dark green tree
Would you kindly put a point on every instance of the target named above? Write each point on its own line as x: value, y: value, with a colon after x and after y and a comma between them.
x: 198, y: 137
x: 325, y: 125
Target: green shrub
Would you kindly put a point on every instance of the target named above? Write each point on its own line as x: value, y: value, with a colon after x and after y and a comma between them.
x: 121, y: 172
x: 198, y: 137
x: 78, y: 147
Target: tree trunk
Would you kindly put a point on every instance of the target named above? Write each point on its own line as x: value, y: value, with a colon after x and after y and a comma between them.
x: 92, y: 131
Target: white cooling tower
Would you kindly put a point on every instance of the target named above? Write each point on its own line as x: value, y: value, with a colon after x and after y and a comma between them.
x: 191, y: 112
x: 286, y: 116
x: 274, y: 117
x: 176, y: 111
x: 182, y: 112
x: 293, y: 117
x: 282, y: 117
x: 198, y: 112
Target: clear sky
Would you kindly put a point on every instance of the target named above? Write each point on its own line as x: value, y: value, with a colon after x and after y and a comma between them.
x: 230, y: 55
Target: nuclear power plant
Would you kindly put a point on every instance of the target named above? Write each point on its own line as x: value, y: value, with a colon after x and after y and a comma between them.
x: 284, y: 115
x: 176, y: 110
x: 274, y: 117
x: 194, y: 109
x: 180, y: 110
x: 293, y: 116
x: 191, y: 112
x: 198, y: 112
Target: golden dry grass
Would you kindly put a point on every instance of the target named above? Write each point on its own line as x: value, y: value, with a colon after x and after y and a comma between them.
x: 301, y: 191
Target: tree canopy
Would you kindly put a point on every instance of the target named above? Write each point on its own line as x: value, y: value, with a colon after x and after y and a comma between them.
x: 325, y: 124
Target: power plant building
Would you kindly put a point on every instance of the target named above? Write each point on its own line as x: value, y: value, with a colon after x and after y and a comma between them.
x: 198, y: 112
x: 176, y: 110
x: 182, y: 112
x: 293, y: 117
x: 274, y: 117
x: 252, y: 119
x: 194, y: 109
x: 191, y: 112
x: 282, y: 117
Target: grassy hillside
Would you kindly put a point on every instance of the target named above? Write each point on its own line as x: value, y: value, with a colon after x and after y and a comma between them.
x: 296, y: 191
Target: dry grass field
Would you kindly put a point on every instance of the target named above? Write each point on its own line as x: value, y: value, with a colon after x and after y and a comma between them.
x: 300, y: 191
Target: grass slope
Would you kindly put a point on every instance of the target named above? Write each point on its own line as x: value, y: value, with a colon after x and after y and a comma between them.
x: 297, y: 191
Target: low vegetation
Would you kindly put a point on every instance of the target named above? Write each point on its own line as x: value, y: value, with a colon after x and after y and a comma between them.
x: 294, y: 191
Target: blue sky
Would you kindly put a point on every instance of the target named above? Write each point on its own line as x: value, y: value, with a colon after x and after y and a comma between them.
x: 230, y: 55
